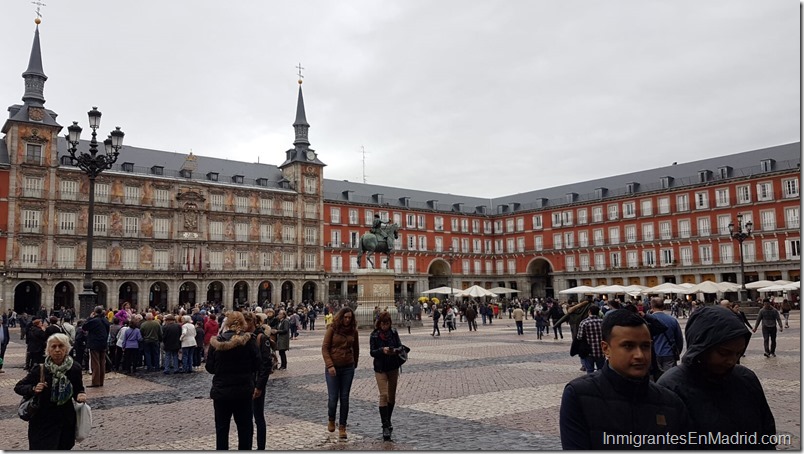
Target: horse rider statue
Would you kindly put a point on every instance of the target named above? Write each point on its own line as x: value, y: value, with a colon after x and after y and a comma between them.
x: 380, y: 233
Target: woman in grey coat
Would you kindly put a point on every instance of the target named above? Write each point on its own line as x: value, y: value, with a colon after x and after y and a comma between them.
x: 283, y: 338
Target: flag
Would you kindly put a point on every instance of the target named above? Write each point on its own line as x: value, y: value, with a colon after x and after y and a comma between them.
x: 200, y: 263
x: 188, y: 259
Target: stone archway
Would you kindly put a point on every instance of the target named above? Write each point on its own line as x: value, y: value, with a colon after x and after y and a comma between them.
x: 308, y: 291
x: 264, y: 294
x: 240, y: 295
x: 215, y: 292
x: 27, y: 298
x: 158, y: 296
x: 287, y: 291
x: 128, y: 294
x: 64, y: 296
x: 540, y: 276
x: 103, y: 293
x: 438, y: 274
x: 187, y: 294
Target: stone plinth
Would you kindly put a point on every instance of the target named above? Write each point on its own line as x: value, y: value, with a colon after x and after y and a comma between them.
x: 375, y: 287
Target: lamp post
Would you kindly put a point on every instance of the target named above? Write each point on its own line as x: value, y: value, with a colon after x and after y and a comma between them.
x: 737, y: 233
x: 92, y: 163
x: 450, y: 259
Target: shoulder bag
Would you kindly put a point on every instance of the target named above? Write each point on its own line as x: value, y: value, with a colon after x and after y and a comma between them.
x: 30, y: 405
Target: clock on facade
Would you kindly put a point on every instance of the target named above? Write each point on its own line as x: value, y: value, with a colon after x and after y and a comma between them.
x: 311, y: 156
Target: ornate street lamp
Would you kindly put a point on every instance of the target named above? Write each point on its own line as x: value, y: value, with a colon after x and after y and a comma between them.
x: 737, y: 233
x: 92, y: 163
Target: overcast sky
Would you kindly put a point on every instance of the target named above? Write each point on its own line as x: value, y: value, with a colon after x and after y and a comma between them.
x: 478, y: 98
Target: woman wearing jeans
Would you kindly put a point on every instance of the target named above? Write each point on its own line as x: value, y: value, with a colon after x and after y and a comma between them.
x: 341, y: 349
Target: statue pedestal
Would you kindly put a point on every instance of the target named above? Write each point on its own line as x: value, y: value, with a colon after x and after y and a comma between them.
x: 375, y: 287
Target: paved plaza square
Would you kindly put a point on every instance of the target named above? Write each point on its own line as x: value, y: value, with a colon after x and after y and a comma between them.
x: 490, y: 390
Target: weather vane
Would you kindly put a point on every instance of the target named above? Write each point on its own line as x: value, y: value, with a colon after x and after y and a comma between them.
x: 39, y: 5
x: 300, y: 68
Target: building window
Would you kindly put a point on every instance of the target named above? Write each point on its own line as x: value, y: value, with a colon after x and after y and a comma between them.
x: 705, y: 253
x: 537, y: 221
x: 241, y: 231
x: 32, y: 187
x: 288, y: 234
x: 790, y: 188
x: 266, y: 206
x: 629, y: 209
x: 686, y: 255
x: 557, y: 219
x: 597, y: 214
x: 161, y: 260
x: 766, y: 165
x: 353, y: 217
x: 520, y: 223
x: 793, y: 249
x: 684, y: 230
x: 703, y: 226
x: 749, y: 252
x: 600, y: 261
x: 664, y: 205
x: 630, y: 234
x: 568, y: 240
x: 770, y: 250
x: 162, y: 228
x: 310, y: 185
x: 99, y: 258
x: 764, y: 191
x: 487, y: 226
x: 185, y: 173
x: 557, y: 241
x: 646, y: 207
x: 157, y: 170
x: 310, y: 210
x: 583, y: 261
x: 65, y: 257
x: 216, y: 202
x: 267, y: 259
x: 583, y: 238
x: 613, y: 212
x: 647, y: 232
x: 132, y: 196
x: 632, y: 258
x: 649, y: 257
x: 216, y: 260
x: 743, y: 194
x: 520, y: 243
x: 666, y: 258
x: 131, y: 259
x: 33, y: 154
x: 569, y: 263
x: 30, y: 221
x: 241, y: 204
x: 566, y: 218
x: 792, y: 217
x: 69, y: 189
x: 614, y: 235
x: 309, y: 262
x: 67, y: 223
x: 288, y: 207
x: 538, y: 243
x: 726, y: 253
x: 722, y: 197
x: 614, y: 260
x: 768, y: 220
x: 162, y: 198
x: 288, y: 261
x: 266, y: 233
x: 29, y: 255
x: 598, y: 236
x: 454, y: 226
x: 131, y: 226
x: 665, y: 230
x: 582, y: 215
x: 701, y: 200
x: 682, y: 202
x: 102, y: 192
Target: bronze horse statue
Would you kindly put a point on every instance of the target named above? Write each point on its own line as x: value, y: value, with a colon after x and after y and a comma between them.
x: 371, y: 243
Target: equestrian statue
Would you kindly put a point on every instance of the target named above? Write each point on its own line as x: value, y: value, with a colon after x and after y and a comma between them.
x: 378, y: 240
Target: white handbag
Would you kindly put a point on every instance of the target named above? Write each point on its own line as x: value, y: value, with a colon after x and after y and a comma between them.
x: 83, y: 421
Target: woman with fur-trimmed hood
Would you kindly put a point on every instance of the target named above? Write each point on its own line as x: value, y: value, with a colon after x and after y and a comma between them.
x: 233, y: 358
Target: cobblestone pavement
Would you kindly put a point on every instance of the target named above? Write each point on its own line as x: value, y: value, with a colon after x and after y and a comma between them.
x: 490, y: 390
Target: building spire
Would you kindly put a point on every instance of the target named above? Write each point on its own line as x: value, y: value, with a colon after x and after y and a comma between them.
x: 35, y: 76
x: 300, y: 126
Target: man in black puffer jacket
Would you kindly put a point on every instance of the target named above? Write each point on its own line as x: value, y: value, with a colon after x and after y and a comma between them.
x: 618, y: 406
x: 721, y: 395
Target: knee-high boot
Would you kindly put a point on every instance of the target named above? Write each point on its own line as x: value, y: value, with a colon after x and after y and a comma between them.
x: 390, y: 413
x: 386, y: 433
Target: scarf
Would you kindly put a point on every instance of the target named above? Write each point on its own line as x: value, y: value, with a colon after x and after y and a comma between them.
x: 384, y: 335
x: 61, y: 389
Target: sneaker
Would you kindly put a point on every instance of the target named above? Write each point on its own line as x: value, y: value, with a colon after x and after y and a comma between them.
x: 773, y: 354
x: 767, y: 355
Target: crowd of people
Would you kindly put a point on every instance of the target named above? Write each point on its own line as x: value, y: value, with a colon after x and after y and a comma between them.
x: 631, y: 352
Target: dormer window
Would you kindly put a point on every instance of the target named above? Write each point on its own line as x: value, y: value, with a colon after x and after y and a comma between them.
x: 404, y: 201
x: 186, y: 173
x: 432, y: 204
x: 377, y: 198
x: 212, y: 176
x: 666, y: 181
x: 629, y: 188
x: 766, y: 165
x: 237, y: 179
x: 571, y: 196
x: 66, y: 161
x: 703, y: 176
x: 262, y: 181
x: 724, y: 172
x: 600, y: 193
x: 457, y: 207
x: 127, y: 166
x: 157, y: 170
x: 480, y: 209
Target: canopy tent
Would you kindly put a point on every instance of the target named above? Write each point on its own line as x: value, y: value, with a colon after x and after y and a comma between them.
x: 612, y: 289
x: 579, y: 290
x: 793, y: 286
x: 711, y: 287
x: 635, y: 290
x: 503, y: 290
x: 667, y: 287
x: 764, y: 283
x: 476, y: 291
x: 443, y: 291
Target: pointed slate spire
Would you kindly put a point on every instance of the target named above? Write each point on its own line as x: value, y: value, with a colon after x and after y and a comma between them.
x: 300, y: 125
x: 35, y: 76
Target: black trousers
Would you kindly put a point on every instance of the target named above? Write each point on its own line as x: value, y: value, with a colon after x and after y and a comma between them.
x: 258, y: 406
x: 769, y: 334
x: 242, y: 411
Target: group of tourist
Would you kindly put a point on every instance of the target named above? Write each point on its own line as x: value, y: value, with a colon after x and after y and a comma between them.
x: 641, y: 387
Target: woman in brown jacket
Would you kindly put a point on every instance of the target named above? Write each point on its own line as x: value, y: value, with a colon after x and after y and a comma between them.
x: 341, y: 349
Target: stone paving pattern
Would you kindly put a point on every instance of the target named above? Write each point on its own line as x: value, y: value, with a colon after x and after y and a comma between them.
x: 490, y: 390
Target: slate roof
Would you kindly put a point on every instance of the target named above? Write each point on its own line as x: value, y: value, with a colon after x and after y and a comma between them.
x: 4, y: 159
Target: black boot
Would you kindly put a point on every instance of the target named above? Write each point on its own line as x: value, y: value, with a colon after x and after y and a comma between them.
x: 390, y: 413
x: 386, y: 433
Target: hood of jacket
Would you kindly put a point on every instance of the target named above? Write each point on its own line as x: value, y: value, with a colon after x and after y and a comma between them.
x: 710, y: 326
x: 229, y: 340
